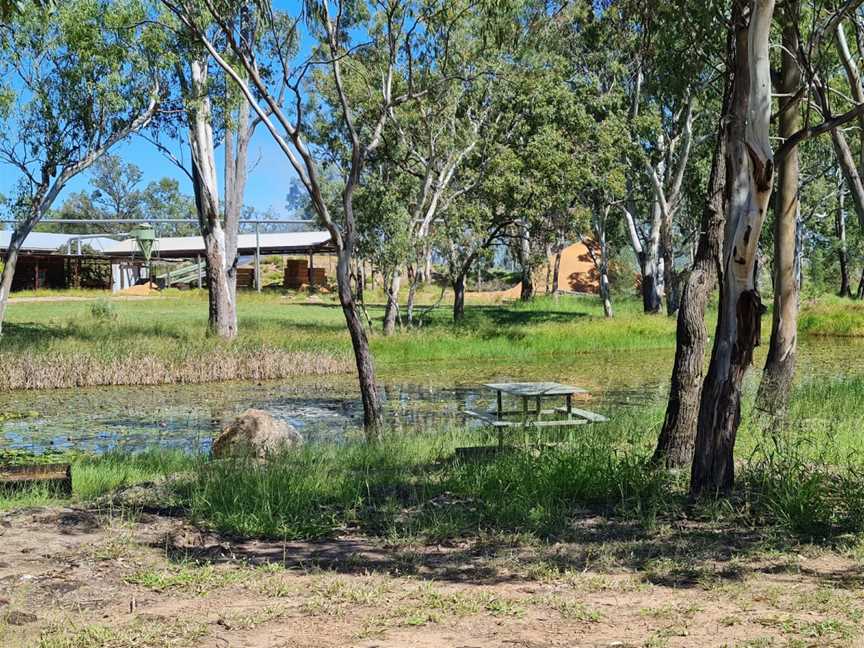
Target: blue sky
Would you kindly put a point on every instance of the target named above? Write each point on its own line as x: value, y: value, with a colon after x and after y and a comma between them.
x: 270, y: 174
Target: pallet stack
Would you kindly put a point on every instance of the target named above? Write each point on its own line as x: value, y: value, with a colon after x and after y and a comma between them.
x: 246, y: 277
x: 297, y: 275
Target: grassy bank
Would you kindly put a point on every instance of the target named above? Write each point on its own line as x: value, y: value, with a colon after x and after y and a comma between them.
x: 163, y: 340
x: 803, y: 480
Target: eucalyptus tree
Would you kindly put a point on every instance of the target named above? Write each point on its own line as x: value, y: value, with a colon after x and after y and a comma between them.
x: 780, y: 365
x: 76, y: 80
x: 387, y: 47
x: 384, y: 225
x: 750, y: 170
x: 437, y: 140
x: 675, y: 444
x: 814, y: 60
x: 425, y: 151
x: 211, y: 112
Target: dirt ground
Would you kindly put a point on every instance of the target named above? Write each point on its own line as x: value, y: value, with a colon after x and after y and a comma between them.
x: 79, y: 578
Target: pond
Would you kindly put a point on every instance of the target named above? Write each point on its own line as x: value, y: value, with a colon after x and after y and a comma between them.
x: 328, y: 409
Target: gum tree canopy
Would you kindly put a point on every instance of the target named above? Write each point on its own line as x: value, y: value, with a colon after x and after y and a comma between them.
x: 76, y: 79
x: 388, y: 48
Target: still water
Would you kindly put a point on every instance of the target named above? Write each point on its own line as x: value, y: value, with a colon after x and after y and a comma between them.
x: 327, y: 409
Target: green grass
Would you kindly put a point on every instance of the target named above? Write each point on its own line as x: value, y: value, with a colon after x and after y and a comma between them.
x: 832, y: 316
x: 57, y: 344
x: 170, y: 331
x: 96, y: 476
x: 793, y: 481
x: 803, y: 476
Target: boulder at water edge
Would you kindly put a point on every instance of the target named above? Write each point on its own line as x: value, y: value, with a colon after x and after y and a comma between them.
x: 255, y: 433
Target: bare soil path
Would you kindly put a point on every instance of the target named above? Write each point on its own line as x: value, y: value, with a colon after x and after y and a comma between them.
x: 79, y: 578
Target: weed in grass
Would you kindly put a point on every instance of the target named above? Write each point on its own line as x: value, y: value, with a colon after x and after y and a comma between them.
x: 249, y: 619
x: 103, y: 310
x: 141, y: 632
x: 331, y: 594
x: 189, y: 577
x: 567, y: 608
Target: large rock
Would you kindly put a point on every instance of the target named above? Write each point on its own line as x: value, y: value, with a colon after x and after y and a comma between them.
x: 255, y: 433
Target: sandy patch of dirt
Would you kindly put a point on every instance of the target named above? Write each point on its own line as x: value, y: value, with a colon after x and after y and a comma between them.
x: 77, y: 578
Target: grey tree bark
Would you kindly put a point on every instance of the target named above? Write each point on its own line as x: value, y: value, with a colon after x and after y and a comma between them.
x: 556, y: 273
x: 222, y: 320
x: 527, y: 291
x: 750, y: 169
x: 678, y: 435
x: 842, y: 249
x: 237, y: 137
x: 667, y: 179
x: 600, y: 257
x: 391, y: 311
x: 459, y: 297
x: 779, y: 368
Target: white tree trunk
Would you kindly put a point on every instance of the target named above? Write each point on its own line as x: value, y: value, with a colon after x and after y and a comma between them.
x: 222, y: 310
x: 751, y: 173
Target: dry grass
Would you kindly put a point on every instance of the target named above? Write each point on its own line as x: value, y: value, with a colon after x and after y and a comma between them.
x: 35, y: 371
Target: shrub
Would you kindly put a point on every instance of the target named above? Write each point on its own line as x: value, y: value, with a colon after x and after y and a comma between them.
x: 103, y: 310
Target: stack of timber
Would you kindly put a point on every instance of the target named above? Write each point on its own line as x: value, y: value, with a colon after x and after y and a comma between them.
x: 297, y: 275
x: 245, y: 277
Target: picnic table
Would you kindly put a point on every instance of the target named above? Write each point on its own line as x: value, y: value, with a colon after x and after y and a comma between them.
x: 532, y: 413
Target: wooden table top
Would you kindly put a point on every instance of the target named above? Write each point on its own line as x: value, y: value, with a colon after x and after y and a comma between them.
x: 528, y: 389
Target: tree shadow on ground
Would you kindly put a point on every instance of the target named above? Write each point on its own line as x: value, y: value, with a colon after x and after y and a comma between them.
x: 475, y: 315
x: 503, y: 316
x: 683, y: 554
x: 30, y: 334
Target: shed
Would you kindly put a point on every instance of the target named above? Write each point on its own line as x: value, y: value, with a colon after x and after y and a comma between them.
x: 48, y: 260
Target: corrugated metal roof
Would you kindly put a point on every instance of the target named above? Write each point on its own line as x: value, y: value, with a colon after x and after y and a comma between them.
x: 180, y: 246
x: 48, y: 242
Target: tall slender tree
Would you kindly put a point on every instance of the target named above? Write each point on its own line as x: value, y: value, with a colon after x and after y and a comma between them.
x: 780, y: 364
x: 750, y: 170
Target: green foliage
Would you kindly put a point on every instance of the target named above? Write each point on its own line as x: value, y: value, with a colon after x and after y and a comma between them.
x: 76, y: 76
x: 103, y: 310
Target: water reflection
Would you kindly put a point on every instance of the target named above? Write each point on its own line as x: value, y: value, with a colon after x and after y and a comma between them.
x: 328, y: 410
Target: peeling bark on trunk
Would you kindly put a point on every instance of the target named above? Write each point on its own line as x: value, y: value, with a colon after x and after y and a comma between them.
x: 678, y: 435
x: 391, y: 312
x: 222, y: 319
x: 750, y: 170
x: 779, y: 368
